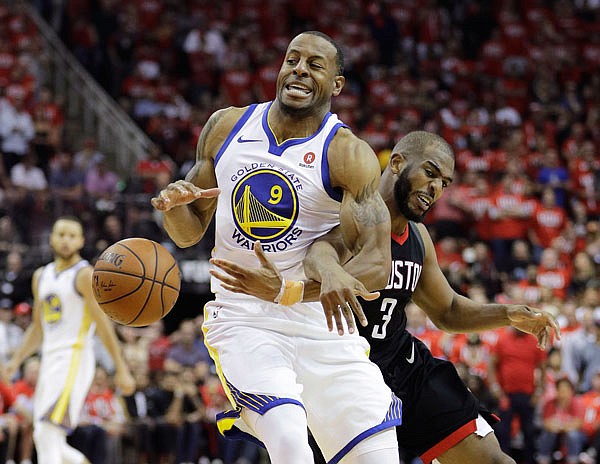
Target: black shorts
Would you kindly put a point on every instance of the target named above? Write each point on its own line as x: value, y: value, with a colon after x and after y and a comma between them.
x: 436, y: 404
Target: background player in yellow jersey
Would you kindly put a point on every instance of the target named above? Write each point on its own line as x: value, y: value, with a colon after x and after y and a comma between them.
x: 65, y: 317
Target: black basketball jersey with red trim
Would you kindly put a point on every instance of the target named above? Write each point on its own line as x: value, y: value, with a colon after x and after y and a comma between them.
x: 386, y: 330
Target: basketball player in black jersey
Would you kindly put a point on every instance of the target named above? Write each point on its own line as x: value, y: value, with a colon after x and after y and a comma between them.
x: 441, y: 419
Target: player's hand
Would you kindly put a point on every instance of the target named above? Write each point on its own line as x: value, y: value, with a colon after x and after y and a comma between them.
x: 338, y: 298
x: 539, y: 323
x: 125, y: 382
x: 181, y: 193
x: 263, y: 282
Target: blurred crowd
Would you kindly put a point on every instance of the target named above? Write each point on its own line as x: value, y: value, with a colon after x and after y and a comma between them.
x: 514, y: 86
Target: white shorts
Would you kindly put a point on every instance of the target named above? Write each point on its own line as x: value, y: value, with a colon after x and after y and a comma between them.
x: 63, y: 383
x: 330, y: 376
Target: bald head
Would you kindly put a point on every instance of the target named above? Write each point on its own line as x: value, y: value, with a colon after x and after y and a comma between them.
x: 417, y: 143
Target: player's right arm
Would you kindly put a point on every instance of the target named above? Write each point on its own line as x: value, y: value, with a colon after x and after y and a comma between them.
x: 189, y: 205
x: 33, y: 335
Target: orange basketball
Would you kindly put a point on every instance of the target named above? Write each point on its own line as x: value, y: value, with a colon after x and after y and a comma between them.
x: 136, y: 281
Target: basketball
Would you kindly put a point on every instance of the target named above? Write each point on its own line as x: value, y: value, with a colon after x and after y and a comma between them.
x: 136, y: 281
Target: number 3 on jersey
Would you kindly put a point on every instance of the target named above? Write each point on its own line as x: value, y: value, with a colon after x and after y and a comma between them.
x: 387, y: 307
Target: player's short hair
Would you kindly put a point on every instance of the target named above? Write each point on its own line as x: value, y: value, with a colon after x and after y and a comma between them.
x: 69, y: 218
x: 74, y: 219
x: 339, y: 56
x: 415, y: 143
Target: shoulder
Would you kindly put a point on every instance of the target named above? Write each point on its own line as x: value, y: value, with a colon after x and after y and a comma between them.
x: 221, y: 122
x: 83, y: 279
x: 84, y: 271
x: 425, y: 237
x: 38, y: 272
x: 216, y: 130
x: 351, y: 160
x: 346, y: 143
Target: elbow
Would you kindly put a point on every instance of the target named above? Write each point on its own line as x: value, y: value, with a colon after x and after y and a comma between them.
x: 184, y: 243
x: 379, y: 281
x: 444, y: 325
x: 380, y: 273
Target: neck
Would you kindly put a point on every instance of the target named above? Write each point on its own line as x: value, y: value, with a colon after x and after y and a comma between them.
x: 399, y: 222
x: 288, y: 125
x: 64, y: 263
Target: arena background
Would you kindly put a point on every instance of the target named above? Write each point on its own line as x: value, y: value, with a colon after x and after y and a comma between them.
x: 118, y: 92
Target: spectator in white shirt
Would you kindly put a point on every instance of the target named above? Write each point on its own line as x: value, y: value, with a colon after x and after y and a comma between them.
x: 17, y: 130
x: 29, y: 193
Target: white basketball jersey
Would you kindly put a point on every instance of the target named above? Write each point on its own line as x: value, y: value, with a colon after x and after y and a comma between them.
x: 279, y: 194
x: 66, y: 321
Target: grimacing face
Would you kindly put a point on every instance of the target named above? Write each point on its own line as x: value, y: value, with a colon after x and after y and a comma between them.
x: 308, y: 76
x: 421, y: 182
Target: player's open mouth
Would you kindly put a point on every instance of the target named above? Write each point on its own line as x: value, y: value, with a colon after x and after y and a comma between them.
x: 297, y: 89
x: 424, y: 201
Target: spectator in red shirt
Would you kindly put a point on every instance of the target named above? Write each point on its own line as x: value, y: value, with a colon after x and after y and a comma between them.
x: 584, y: 168
x: 470, y: 351
x: 420, y: 326
x: 507, y: 210
x: 102, y: 423
x: 547, y: 222
x: 8, y: 423
x: 513, y: 381
x: 562, y: 419
x: 551, y: 273
x: 478, y: 204
x: 159, y: 346
x: 23, y: 391
x: 155, y: 170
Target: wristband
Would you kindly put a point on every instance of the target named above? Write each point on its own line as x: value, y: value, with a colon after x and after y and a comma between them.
x: 291, y: 292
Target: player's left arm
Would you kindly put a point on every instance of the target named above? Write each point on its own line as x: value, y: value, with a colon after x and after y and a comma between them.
x: 364, y: 218
x: 452, y: 312
x: 106, y: 331
x: 363, y: 234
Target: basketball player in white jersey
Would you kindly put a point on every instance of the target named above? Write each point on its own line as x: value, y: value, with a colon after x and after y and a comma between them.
x: 286, y: 172
x: 65, y: 317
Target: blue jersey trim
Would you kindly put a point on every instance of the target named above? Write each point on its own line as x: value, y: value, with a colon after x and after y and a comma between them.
x: 393, y: 418
x: 334, y: 193
x: 235, y: 130
x: 274, y: 147
x: 236, y: 434
x: 259, y: 403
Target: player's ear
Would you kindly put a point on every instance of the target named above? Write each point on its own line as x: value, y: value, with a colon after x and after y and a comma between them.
x: 397, y: 162
x: 338, y: 85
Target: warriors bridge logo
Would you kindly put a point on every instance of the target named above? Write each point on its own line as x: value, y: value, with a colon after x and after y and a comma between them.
x: 265, y: 205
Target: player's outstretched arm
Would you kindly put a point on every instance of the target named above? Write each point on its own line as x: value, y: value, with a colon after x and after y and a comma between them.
x: 106, y: 332
x: 455, y: 313
x: 188, y: 205
x: 33, y: 335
